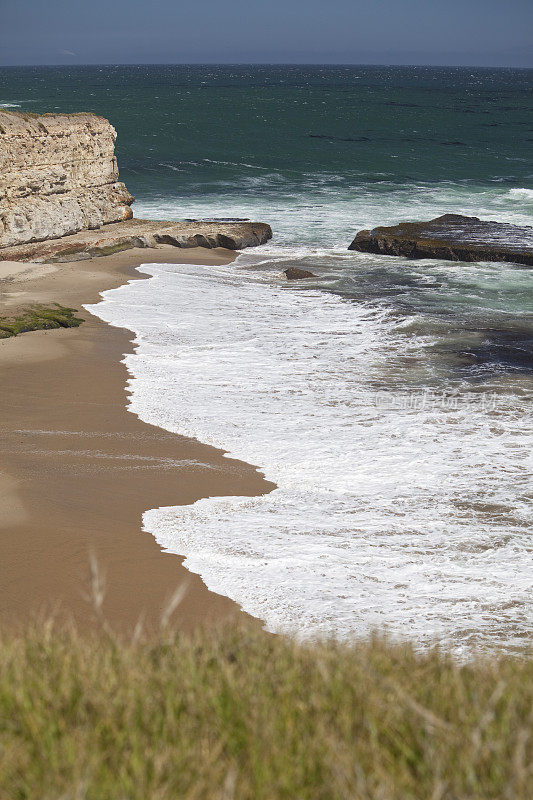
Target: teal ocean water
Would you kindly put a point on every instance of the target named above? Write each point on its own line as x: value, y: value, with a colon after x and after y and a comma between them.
x: 389, y: 400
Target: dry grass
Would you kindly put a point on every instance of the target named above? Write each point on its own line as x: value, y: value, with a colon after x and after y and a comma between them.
x: 238, y: 714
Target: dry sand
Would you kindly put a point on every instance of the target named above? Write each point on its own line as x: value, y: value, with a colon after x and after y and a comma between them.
x: 77, y: 470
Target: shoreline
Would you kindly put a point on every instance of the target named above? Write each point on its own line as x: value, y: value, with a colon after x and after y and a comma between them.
x: 77, y: 470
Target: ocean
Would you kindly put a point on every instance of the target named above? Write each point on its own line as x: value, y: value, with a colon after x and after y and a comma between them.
x: 388, y: 399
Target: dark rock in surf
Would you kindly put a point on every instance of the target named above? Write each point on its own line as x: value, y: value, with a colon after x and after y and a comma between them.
x: 296, y: 274
x: 451, y: 237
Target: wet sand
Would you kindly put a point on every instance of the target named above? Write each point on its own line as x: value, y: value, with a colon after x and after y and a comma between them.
x: 77, y: 470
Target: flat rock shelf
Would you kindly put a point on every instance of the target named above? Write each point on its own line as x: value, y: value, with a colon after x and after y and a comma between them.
x: 452, y: 237
x: 119, y: 236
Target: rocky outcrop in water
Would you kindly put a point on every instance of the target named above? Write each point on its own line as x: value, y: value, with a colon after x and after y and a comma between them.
x: 58, y: 175
x: 452, y: 237
x: 61, y: 200
x: 297, y: 274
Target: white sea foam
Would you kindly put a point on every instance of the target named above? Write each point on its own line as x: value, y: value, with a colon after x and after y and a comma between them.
x: 326, y: 212
x: 523, y: 195
x: 387, y: 513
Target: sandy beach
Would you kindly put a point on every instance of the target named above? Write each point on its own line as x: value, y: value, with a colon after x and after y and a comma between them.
x: 77, y: 470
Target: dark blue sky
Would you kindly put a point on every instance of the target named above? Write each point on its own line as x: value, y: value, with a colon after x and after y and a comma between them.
x: 442, y: 32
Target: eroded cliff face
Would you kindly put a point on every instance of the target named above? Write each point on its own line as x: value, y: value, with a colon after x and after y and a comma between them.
x: 58, y: 176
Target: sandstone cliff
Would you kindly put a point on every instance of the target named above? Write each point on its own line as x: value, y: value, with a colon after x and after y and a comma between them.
x: 58, y: 175
x: 60, y: 197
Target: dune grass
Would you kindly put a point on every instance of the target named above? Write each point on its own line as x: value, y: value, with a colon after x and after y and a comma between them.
x: 239, y: 714
x: 38, y: 317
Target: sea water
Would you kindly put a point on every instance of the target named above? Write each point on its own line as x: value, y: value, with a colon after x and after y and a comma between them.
x: 388, y: 400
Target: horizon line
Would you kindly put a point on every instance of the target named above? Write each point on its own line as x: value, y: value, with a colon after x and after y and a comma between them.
x: 265, y: 64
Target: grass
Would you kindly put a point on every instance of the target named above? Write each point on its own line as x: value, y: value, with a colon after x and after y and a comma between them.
x: 237, y: 714
x: 38, y: 317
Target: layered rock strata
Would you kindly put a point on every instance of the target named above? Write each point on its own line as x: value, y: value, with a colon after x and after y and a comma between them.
x: 58, y: 176
x: 452, y: 237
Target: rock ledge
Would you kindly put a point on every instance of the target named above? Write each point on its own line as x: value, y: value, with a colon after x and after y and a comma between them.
x: 119, y: 236
x: 452, y: 237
